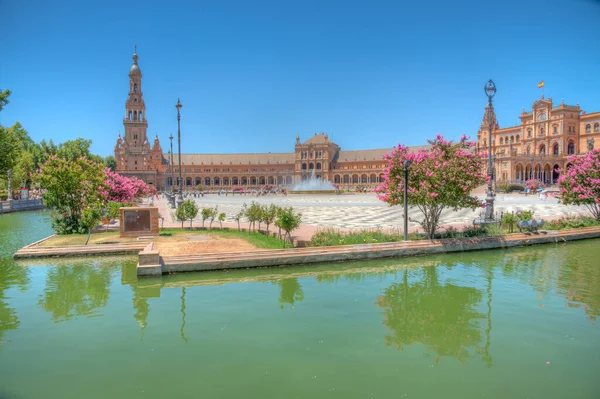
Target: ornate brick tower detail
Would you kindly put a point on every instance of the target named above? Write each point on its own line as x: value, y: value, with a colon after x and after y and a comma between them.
x: 133, y: 152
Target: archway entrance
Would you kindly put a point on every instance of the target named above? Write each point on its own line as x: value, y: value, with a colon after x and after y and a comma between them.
x: 555, y: 174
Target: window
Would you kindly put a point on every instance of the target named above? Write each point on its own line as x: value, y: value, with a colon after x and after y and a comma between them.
x: 135, y: 87
x: 555, y: 149
x: 542, y: 149
x: 518, y: 138
x: 571, y: 148
x: 529, y: 133
x: 135, y: 100
x: 555, y: 129
x: 501, y: 141
x: 588, y: 128
x: 596, y: 127
x: 542, y: 131
x: 590, y: 146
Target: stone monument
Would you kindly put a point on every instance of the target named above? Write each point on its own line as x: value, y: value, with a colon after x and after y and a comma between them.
x: 135, y: 222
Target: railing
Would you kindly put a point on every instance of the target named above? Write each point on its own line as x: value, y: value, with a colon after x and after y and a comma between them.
x: 21, y: 205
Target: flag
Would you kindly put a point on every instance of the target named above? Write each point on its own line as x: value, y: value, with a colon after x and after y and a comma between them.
x: 541, y: 84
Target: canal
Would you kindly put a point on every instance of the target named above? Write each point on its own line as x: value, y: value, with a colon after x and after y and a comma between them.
x: 519, y: 323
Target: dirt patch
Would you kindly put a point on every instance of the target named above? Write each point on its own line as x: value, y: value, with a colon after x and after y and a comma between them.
x: 182, y: 245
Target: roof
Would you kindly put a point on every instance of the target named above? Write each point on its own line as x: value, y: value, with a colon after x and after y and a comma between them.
x: 321, y: 138
x: 235, y: 159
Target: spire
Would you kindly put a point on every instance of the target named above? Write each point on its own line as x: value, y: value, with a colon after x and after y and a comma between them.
x: 135, y: 69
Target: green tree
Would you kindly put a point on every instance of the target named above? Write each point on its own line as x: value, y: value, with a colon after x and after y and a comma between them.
x: 90, y: 218
x: 71, y: 150
x: 181, y: 214
x: 213, y: 214
x: 110, y: 162
x: 238, y: 216
x: 288, y: 220
x: 222, y: 217
x: 112, y: 211
x: 269, y: 213
x: 4, y: 98
x: 190, y: 210
x: 70, y: 188
x: 205, y: 214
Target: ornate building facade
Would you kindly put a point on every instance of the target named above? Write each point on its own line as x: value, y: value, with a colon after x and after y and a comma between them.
x: 136, y: 157
x: 546, y: 136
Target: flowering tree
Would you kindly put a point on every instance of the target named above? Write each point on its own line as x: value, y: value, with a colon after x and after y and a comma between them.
x: 533, y: 184
x: 121, y: 188
x: 71, y: 187
x: 440, y: 177
x: 580, y: 183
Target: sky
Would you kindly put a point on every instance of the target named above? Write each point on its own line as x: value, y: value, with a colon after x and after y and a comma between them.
x: 251, y: 75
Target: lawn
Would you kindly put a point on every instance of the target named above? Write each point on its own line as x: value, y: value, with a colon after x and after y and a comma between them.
x: 166, y: 236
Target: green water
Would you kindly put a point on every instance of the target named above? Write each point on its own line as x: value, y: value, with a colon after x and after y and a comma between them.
x: 473, y: 325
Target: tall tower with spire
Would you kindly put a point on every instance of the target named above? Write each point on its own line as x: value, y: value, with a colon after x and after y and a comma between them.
x: 133, y: 152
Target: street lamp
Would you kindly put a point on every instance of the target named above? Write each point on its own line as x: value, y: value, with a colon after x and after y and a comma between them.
x: 179, y: 200
x: 171, y: 163
x: 490, y: 91
x: 9, y: 187
x: 406, y: 166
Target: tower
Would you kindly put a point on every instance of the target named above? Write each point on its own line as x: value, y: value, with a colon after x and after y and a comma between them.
x: 134, y: 154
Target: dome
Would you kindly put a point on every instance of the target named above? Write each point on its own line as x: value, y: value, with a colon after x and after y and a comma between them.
x: 135, y: 70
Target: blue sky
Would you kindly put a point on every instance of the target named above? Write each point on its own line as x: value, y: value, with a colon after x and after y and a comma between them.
x: 253, y: 74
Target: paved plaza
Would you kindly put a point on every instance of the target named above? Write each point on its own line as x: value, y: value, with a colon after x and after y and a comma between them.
x: 356, y: 211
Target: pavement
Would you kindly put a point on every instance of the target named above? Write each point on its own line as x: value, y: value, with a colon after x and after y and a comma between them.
x: 362, y: 211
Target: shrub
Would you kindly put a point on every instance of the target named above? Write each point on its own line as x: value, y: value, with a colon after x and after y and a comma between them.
x: 509, y: 220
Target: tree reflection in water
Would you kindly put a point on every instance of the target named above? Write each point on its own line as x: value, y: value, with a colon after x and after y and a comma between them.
x: 291, y: 292
x: 76, y: 290
x: 10, y: 275
x: 443, y: 317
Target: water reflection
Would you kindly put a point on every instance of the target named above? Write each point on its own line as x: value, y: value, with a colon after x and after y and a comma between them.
x: 291, y: 292
x: 10, y: 275
x: 441, y: 316
x: 76, y: 290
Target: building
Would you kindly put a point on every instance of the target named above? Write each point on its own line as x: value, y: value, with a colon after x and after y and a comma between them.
x: 319, y: 155
x: 541, y: 143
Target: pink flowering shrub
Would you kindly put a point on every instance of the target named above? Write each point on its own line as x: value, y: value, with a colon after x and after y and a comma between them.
x: 124, y: 189
x: 440, y: 177
x: 580, y: 183
x: 533, y: 184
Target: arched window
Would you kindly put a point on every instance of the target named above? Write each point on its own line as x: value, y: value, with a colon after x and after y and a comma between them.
x: 318, y: 165
x: 512, y: 139
x: 501, y: 141
x: 588, y: 128
x: 555, y: 149
x: 596, y: 127
x: 303, y: 166
x: 207, y: 181
x: 571, y: 148
x: 528, y: 132
x: 518, y: 138
x: 484, y: 142
x: 529, y: 149
x: 542, y: 149
x: 311, y: 166
x: 188, y: 181
x: 135, y: 87
x: 541, y: 131
x: 141, y: 116
x: 135, y: 115
x: 590, y: 146
x: 555, y: 129
x: 130, y: 115
x: 135, y: 100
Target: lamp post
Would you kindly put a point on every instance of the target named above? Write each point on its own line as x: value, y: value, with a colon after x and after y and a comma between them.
x: 406, y: 166
x: 179, y: 200
x: 171, y: 163
x: 490, y: 91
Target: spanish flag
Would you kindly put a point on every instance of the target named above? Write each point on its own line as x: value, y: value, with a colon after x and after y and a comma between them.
x: 541, y: 84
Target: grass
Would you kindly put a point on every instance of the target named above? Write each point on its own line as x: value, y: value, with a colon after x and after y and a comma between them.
x: 110, y: 237
x: 259, y: 240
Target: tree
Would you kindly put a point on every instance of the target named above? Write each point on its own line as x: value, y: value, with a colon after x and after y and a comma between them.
x: 71, y: 150
x: 124, y: 188
x: 253, y: 214
x: 181, y: 215
x: 90, y: 218
x: 269, y: 213
x: 112, y: 211
x: 212, y: 216
x: 10, y: 148
x: 205, y: 213
x: 110, y: 162
x: 70, y: 188
x: 190, y: 210
x: 288, y: 220
x: 238, y: 216
x: 4, y: 98
x: 533, y: 184
x: 580, y: 183
x: 222, y: 217
x: 440, y: 177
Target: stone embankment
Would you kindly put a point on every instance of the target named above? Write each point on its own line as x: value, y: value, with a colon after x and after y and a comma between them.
x: 293, y: 256
x: 36, y: 251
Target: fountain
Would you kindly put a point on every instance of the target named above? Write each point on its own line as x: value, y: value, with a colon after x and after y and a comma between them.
x: 314, y: 185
